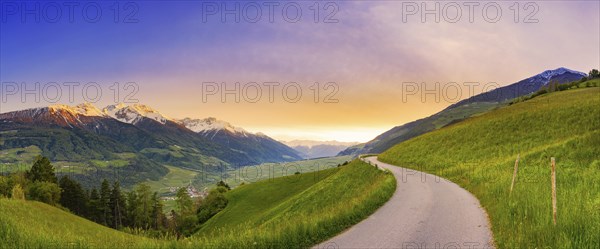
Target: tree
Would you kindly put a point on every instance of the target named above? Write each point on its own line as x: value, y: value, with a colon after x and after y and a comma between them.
x: 172, y: 222
x: 41, y: 171
x: 104, y: 204
x: 17, y: 192
x: 184, y: 202
x: 553, y: 86
x: 6, y: 186
x: 158, y: 216
x: 594, y: 73
x: 117, y: 205
x: 223, y: 184
x: 46, y: 192
x: 94, y: 211
x: 214, y: 203
x: 132, y: 218
x: 72, y: 196
x: 186, y: 220
x: 143, y: 207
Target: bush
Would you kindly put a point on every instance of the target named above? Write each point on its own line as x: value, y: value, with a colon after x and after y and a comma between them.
x: 5, y: 186
x: 563, y: 87
x: 223, y: 184
x: 214, y: 203
x: 594, y: 73
x: 187, y: 225
x: 46, y: 192
x: 17, y: 192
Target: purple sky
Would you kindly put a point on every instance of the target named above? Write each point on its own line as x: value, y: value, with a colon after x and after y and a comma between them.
x: 368, y: 54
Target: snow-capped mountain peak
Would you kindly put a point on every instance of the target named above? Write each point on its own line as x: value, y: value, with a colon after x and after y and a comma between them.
x: 84, y: 109
x: 210, y: 124
x: 133, y: 113
x: 561, y: 70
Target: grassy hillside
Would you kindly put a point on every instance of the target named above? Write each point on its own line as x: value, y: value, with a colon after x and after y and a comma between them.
x: 298, y: 211
x: 291, y: 212
x: 410, y: 130
x: 201, y: 180
x: 255, y: 173
x: 479, y: 154
x: 29, y: 224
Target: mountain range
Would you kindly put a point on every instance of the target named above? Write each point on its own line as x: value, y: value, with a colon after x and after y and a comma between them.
x: 316, y: 149
x: 464, y: 109
x: 136, y: 139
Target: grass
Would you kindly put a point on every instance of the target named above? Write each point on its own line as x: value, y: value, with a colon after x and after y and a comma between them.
x: 12, y: 160
x: 251, y: 202
x: 300, y: 210
x: 479, y: 155
x: 201, y: 180
x: 250, y: 174
x: 416, y: 128
x: 167, y: 186
x: 289, y: 212
x: 29, y: 224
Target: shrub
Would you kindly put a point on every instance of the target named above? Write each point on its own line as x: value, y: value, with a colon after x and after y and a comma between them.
x: 17, y: 192
x: 594, y: 73
x: 223, y: 184
x: 563, y: 87
x: 5, y: 186
x: 46, y: 192
x: 214, y: 203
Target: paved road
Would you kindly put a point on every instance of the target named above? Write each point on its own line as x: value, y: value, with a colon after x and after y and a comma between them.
x: 425, y: 212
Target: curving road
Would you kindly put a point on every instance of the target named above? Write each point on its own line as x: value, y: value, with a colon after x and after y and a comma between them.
x: 426, y: 211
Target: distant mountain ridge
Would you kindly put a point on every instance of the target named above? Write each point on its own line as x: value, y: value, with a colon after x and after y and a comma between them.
x: 310, y: 143
x: 464, y: 109
x: 84, y: 134
x: 315, y: 149
x: 524, y: 87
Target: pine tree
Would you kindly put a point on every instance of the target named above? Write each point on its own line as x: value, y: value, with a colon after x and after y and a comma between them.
x: 117, y: 205
x: 158, y: 216
x: 94, y: 212
x: 144, y: 206
x: 132, y: 218
x: 41, y: 171
x: 104, y: 206
x: 72, y: 196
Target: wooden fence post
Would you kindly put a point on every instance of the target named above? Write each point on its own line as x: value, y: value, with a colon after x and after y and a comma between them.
x: 553, y: 190
x: 514, y: 173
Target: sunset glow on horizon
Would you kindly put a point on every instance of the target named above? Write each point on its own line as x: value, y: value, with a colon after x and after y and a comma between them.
x: 343, y: 80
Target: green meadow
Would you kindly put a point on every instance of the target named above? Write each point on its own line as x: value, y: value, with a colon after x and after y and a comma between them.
x: 479, y: 154
x: 295, y: 211
x: 203, y: 180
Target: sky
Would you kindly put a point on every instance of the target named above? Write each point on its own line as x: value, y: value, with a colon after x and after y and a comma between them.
x: 339, y: 70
